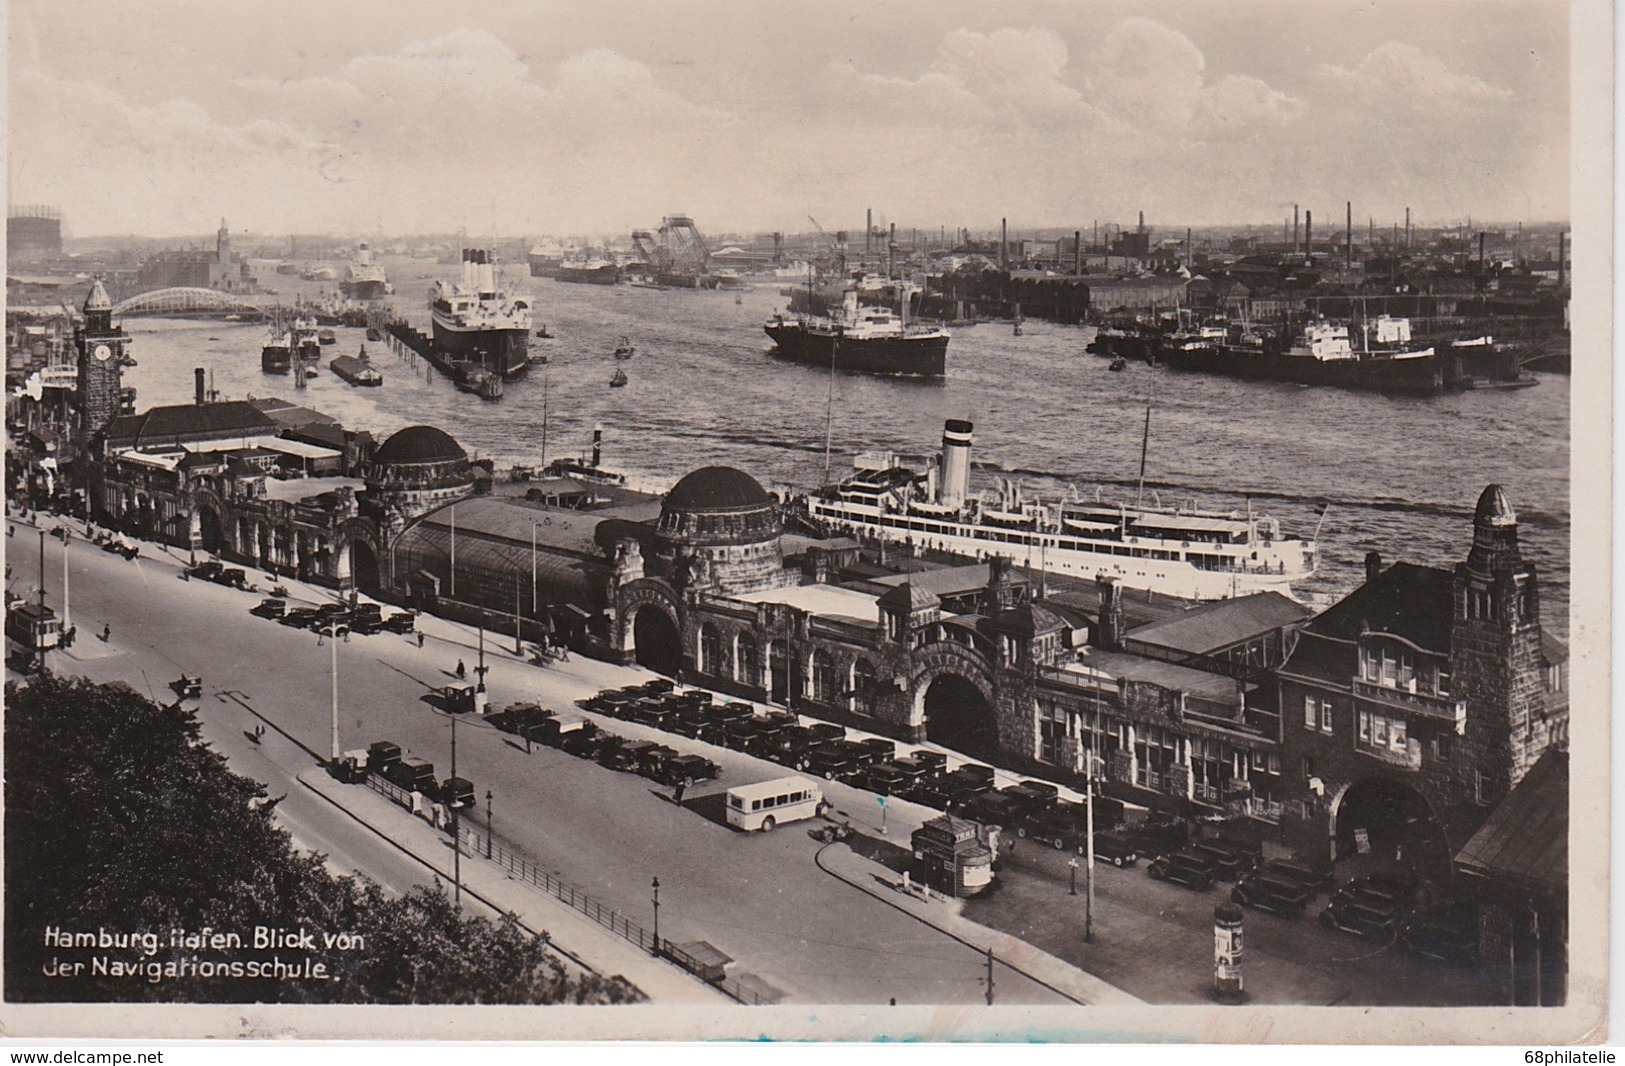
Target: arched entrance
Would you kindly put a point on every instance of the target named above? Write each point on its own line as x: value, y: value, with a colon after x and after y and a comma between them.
x: 366, y: 566
x: 211, y: 537
x: 1395, y: 824
x: 958, y: 716
x: 655, y: 640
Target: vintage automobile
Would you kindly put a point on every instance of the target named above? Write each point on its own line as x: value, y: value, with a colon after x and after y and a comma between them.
x: 831, y: 764
x: 270, y: 608
x: 881, y: 750
x: 1187, y: 868
x: 1314, y: 877
x: 401, y: 622
x: 457, y: 793
x: 884, y: 779
x: 687, y: 769
x: 1114, y: 847
x: 1229, y: 862
x: 1446, y: 931
x: 1271, y: 892
x: 1374, y: 907
x: 188, y: 687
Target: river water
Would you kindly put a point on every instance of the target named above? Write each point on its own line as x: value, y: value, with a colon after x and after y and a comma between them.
x: 1399, y: 474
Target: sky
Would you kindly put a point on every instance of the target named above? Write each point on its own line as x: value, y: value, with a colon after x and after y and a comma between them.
x: 161, y: 117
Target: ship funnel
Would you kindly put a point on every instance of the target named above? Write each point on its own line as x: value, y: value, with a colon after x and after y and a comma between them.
x: 597, y: 444
x: 202, y: 392
x: 956, y: 442
x: 468, y: 268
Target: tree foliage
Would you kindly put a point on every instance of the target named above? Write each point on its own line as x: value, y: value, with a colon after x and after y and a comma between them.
x: 121, y: 820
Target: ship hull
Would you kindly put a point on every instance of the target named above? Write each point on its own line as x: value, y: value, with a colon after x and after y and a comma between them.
x: 276, y: 360
x: 924, y: 357
x: 1417, y: 373
x: 502, y: 351
x: 1092, y: 560
x: 368, y: 289
x: 604, y: 275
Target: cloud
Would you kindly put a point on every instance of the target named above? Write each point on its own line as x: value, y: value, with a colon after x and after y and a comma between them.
x: 1399, y: 72
x: 1237, y: 102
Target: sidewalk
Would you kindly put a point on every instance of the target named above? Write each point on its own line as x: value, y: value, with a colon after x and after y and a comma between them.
x: 882, y: 883
x: 590, y: 942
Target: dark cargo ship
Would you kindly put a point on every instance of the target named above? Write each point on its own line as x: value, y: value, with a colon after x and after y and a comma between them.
x: 871, y: 340
x: 1321, y: 355
x: 475, y: 321
x: 589, y: 272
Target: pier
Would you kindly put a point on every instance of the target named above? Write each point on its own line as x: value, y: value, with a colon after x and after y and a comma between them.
x: 406, y: 341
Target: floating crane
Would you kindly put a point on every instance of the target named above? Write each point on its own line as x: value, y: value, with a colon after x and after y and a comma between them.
x: 837, y: 247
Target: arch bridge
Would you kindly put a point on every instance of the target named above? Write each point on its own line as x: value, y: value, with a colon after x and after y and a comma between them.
x: 187, y: 302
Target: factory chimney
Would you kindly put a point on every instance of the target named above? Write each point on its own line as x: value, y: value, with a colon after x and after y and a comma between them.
x: 1407, y: 229
x: 1348, y: 243
x: 1294, y: 229
x: 597, y: 444
x: 1077, y: 251
x: 1308, y: 234
x: 956, y: 442
x: 891, y: 252
x: 1481, y: 251
x: 1562, y: 255
x: 1142, y: 223
x: 1004, y: 243
x: 868, y: 229
x: 202, y: 390
x: 1187, y: 248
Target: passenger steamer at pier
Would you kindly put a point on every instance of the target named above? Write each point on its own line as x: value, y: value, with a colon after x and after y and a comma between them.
x: 1197, y: 554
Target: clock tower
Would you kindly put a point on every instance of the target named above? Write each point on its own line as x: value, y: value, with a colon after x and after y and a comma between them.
x: 102, y: 359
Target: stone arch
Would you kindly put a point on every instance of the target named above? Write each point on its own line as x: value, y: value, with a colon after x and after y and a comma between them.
x: 1398, y: 823
x: 825, y: 678
x: 211, y: 527
x: 645, y: 599
x: 953, y: 700
x: 359, y: 556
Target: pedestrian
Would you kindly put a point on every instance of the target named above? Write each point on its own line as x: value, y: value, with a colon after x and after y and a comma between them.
x: 677, y: 796
x: 462, y: 671
x: 420, y: 640
x: 107, y: 631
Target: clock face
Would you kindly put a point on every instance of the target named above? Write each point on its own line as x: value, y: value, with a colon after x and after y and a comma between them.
x: 103, y: 352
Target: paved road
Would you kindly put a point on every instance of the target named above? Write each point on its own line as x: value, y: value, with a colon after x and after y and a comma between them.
x: 759, y: 898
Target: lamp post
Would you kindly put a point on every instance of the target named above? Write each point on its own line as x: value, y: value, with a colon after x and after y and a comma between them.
x: 331, y: 632
x: 533, y: 597
x: 655, y: 950
x: 487, y: 823
x: 456, y: 839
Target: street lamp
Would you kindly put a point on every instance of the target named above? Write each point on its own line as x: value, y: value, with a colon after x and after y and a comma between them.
x: 331, y: 631
x: 533, y: 524
x: 487, y: 823
x: 655, y: 950
x: 456, y: 839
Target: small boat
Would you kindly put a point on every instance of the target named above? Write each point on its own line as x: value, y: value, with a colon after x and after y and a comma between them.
x: 625, y: 349
x: 1118, y: 364
x: 618, y: 380
x: 536, y: 357
x: 373, y: 334
x: 543, y: 333
x: 357, y: 370
x: 478, y: 379
x: 327, y: 336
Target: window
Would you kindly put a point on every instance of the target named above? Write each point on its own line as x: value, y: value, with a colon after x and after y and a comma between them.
x: 1325, y: 716
x: 1383, y: 731
x: 747, y: 667
x: 1311, y: 717
x: 1051, y: 732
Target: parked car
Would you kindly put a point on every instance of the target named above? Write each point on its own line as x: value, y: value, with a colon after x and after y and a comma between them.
x: 884, y: 779
x: 829, y: 763
x: 1229, y: 862
x: 972, y: 771
x: 381, y: 754
x: 790, y: 747
x: 914, y: 768
x: 1272, y: 892
x: 412, y: 774
x: 270, y: 608
x: 881, y: 750
x: 457, y: 792
x: 1056, y: 827
x: 366, y: 624
x: 623, y: 754
x: 1373, y: 907
x: 1447, y: 932
x: 401, y: 622
x: 654, y: 713
x: 935, y: 762
x: 1114, y: 847
x: 687, y: 769
x: 1186, y: 868
x: 1314, y: 877
x: 996, y: 808
x: 300, y: 617
x: 1159, y: 837
x: 188, y: 686
x: 652, y: 760
x: 824, y: 732
x: 208, y: 570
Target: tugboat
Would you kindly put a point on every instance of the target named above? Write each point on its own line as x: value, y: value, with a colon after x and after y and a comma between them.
x: 618, y: 380
x: 478, y: 379
x: 542, y: 332
x: 625, y: 350
x: 374, y: 335
x: 327, y: 336
x: 1118, y: 363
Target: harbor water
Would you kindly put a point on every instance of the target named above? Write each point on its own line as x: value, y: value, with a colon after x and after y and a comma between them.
x: 1399, y: 475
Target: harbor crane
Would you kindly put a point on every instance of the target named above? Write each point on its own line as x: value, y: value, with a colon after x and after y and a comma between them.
x: 837, y: 246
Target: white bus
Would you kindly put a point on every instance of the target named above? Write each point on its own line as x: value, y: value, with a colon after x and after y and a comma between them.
x: 768, y: 803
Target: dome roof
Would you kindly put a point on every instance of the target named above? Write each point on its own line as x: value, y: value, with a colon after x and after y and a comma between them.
x: 1494, y: 508
x: 717, y: 488
x: 419, y: 444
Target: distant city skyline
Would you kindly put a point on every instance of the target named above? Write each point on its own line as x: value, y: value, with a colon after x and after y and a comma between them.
x: 542, y: 118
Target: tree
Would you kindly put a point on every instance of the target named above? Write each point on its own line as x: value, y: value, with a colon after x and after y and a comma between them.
x: 122, y: 822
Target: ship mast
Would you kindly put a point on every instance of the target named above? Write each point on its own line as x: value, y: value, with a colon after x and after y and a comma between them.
x: 1145, y: 443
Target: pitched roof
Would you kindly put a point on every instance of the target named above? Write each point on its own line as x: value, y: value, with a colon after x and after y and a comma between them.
x: 1525, y: 840
x: 909, y: 597
x: 1213, y: 626
x: 1406, y: 600
x: 178, y: 422
x: 1030, y: 619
